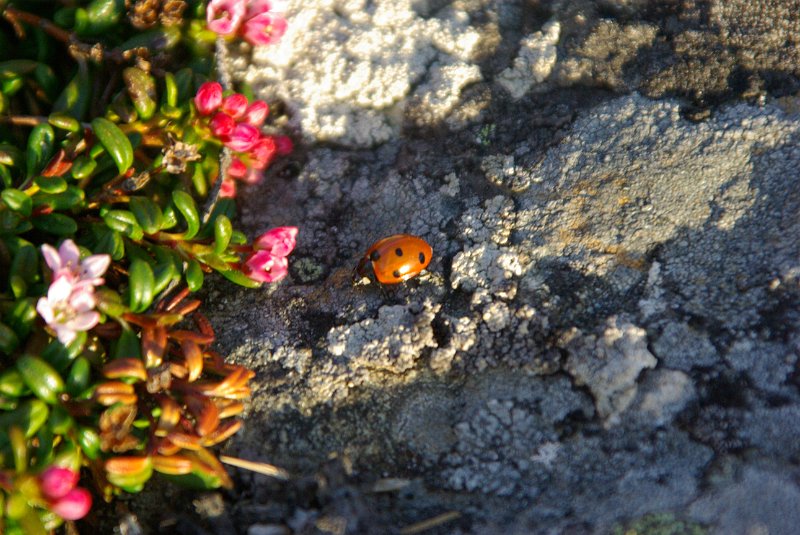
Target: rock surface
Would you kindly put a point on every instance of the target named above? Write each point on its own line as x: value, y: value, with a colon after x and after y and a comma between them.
x: 608, y: 334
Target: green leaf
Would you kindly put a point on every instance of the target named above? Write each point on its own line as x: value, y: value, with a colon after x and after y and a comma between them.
x: 222, y: 233
x: 240, y: 278
x: 30, y: 415
x: 60, y: 421
x: 98, y: 17
x: 194, y: 276
x: 127, y: 345
x: 21, y: 316
x: 74, y: 100
x: 83, y: 166
x: 89, y: 441
x: 162, y: 38
x: 50, y: 184
x: 56, y: 224
x: 141, y: 286
x: 147, y: 213
x: 66, y: 200
x: 170, y: 90
x: 164, y: 273
x: 60, y: 356
x: 185, y: 205
x: 11, y: 383
x: 16, y: 67
x: 17, y: 200
x: 41, y: 378
x: 10, y: 155
x: 64, y: 122
x: 9, y: 342
x: 108, y: 241
x: 40, y: 148
x: 115, y: 142
x: 79, y: 377
x: 26, y: 263
x: 47, y: 80
x: 109, y: 302
x: 141, y: 88
x: 184, y: 80
x: 123, y: 221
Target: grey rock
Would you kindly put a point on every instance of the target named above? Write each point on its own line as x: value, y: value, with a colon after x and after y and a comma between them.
x: 762, y: 502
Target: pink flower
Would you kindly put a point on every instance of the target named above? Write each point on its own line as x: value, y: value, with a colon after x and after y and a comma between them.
x: 56, y: 481
x: 264, y: 29
x: 228, y: 189
x: 262, y: 152
x: 235, y: 105
x: 279, y: 241
x: 225, y: 16
x: 222, y: 125
x: 256, y: 113
x: 264, y: 267
x: 66, y: 262
x: 74, y: 505
x: 208, y: 98
x: 237, y: 169
x: 253, y: 176
x: 242, y: 138
x: 268, y: 262
x: 68, y: 309
x: 284, y: 145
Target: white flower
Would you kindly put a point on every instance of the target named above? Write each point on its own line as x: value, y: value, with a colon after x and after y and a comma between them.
x: 68, y: 309
x: 66, y: 262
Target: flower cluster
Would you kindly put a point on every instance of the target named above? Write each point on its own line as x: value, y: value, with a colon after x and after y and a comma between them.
x: 58, y: 486
x: 268, y: 261
x: 236, y: 123
x: 70, y: 302
x: 257, y: 21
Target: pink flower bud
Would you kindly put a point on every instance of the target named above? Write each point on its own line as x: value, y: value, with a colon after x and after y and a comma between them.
x: 243, y: 137
x: 237, y: 169
x: 254, y: 176
x: 208, y: 98
x: 74, y: 505
x: 279, y: 241
x: 262, y: 153
x: 228, y: 189
x: 222, y: 125
x: 56, y: 481
x: 264, y: 29
x: 225, y: 16
x: 284, y: 145
x: 264, y: 267
x: 256, y: 113
x: 235, y: 105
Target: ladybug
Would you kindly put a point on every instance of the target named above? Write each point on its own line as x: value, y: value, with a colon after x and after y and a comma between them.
x: 395, y: 259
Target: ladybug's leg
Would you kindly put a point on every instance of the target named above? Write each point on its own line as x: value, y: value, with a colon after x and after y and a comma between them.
x: 360, y: 271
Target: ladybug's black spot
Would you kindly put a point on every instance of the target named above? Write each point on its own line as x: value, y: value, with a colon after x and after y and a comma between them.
x: 398, y: 252
x: 396, y: 274
x: 374, y: 256
x: 421, y: 258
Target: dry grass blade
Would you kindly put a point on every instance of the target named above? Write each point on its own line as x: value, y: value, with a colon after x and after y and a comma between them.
x: 259, y: 468
x: 425, y: 525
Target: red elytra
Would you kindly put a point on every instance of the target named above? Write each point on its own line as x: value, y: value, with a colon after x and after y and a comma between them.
x: 395, y: 259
